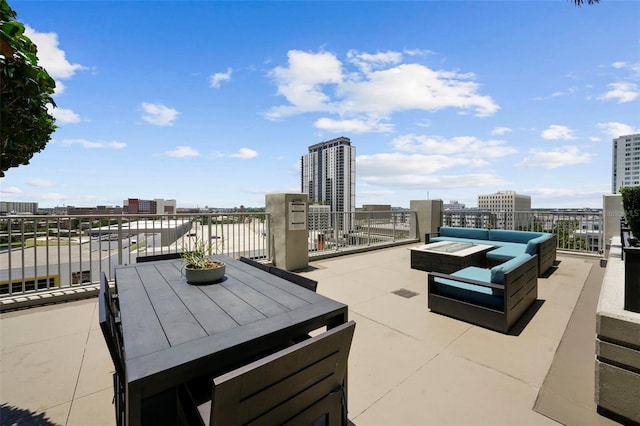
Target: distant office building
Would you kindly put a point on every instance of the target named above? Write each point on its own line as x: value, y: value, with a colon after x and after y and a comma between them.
x: 98, y: 210
x: 506, y: 205
x: 453, y: 205
x: 17, y: 207
x: 626, y: 162
x: 157, y: 206
x: 329, y: 176
x: 469, y: 218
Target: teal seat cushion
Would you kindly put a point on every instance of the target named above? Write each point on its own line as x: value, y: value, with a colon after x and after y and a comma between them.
x: 468, y: 292
x: 506, y: 252
x: 497, y: 272
x: 471, y: 233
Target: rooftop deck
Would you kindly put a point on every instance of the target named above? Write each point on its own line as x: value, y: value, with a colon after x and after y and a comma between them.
x: 407, y: 366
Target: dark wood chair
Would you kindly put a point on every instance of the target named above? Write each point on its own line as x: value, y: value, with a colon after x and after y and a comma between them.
x: 112, y: 331
x: 300, y: 385
x: 295, y: 278
x: 163, y: 256
x: 255, y: 263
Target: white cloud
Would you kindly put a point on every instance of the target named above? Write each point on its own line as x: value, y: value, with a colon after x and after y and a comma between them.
x: 413, y: 87
x: 245, y: 154
x: 569, y: 91
x: 159, y: 114
x: 353, y: 125
x: 398, y: 164
x: 436, y: 181
x: 368, y: 61
x: 459, y: 145
x: 500, y: 131
x: 10, y: 190
x: 569, y: 155
x: 216, y: 79
x: 183, y: 151
x: 41, y: 183
x: 93, y: 145
x: 623, y: 92
x: 301, y: 82
x: 555, y: 132
x: 64, y: 116
x: 380, y: 86
x: 614, y: 129
x: 51, y: 57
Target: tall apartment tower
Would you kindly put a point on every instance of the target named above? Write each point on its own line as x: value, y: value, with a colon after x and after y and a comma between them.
x: 626, y: 162
x: 505, y: 205
x: 329, y: 175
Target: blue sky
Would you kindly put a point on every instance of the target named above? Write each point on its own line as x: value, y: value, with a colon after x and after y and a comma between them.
x: 213, y: 103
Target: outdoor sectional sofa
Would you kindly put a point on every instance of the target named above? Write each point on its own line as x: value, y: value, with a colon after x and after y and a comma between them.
x: 494, y: 298
x: 497, y: 296
x: 509, y: 244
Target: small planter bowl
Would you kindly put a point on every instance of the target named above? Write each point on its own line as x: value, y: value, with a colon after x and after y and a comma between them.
x: 204, y: 276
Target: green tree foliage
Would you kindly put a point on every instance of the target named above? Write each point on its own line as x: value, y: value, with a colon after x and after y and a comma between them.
x: 25, y: 90
x: 631, y: 206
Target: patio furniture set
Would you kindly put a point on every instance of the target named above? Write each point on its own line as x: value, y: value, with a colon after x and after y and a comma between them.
x: 226, y: 353
x: 485, y: 277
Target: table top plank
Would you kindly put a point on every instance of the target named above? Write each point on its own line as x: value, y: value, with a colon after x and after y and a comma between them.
x: 199, y: 353
x: 143, y: 333
x: 209, y: 315
x: 177, y: 321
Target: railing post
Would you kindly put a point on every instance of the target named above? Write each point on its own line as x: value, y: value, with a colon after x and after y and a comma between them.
x: 120, y: 248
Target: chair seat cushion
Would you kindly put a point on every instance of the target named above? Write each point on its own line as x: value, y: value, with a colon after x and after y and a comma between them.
x: 470, y: 292
x: 506, y: 252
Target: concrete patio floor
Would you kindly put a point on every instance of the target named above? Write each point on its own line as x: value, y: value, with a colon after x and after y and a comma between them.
x: 407, y: 366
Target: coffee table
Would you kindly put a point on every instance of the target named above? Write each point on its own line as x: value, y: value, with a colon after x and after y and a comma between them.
x: 449, y: 256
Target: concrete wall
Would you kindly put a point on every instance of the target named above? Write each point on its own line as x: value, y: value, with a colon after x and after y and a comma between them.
x: 429, y: 217
x: 612, y: 211
x: 617, y: 384
x: 289, y: 230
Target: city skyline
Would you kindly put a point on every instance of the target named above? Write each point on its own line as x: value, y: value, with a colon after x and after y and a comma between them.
x: 213, y: 103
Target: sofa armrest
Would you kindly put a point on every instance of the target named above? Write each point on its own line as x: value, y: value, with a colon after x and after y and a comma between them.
x: 464, y: 280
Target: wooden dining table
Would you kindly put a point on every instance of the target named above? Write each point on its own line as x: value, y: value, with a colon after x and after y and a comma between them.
x: 175, y: 332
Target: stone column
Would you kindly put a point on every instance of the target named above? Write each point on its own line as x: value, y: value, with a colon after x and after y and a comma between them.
x: 289, y: 230
x: 429, y: 217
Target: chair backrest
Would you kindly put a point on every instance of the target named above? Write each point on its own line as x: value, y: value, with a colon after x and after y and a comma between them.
x: 295, y: 278
x: 257, y: 264
x: 110, y: 326
x: 296, y: 385
x: 164, y: 256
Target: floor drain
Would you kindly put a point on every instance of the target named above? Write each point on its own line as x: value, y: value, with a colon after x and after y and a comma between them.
x: 403, y: 292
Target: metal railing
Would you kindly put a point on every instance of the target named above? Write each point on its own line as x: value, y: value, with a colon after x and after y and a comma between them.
x: 40, y: 253
x: 45, y: 252
x: 580, y: 231
x: 331, y: 233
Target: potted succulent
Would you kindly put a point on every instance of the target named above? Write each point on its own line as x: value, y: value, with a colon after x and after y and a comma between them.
x: 199, y: 267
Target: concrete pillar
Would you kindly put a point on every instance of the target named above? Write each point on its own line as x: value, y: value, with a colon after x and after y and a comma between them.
x: 429, y: 217
x: 612, y: 211
x: 289, y: 230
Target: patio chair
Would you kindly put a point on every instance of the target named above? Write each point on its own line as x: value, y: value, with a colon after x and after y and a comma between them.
x: 112, y: 332
x: 255, y: 263
x: 302, y: 384
x: 307, y: 283
x: 164, y: 256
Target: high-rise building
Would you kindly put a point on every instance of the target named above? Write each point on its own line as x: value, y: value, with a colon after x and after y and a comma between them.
x: 626, y: 162
x: 328, y: 174
x: 506, y: 205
